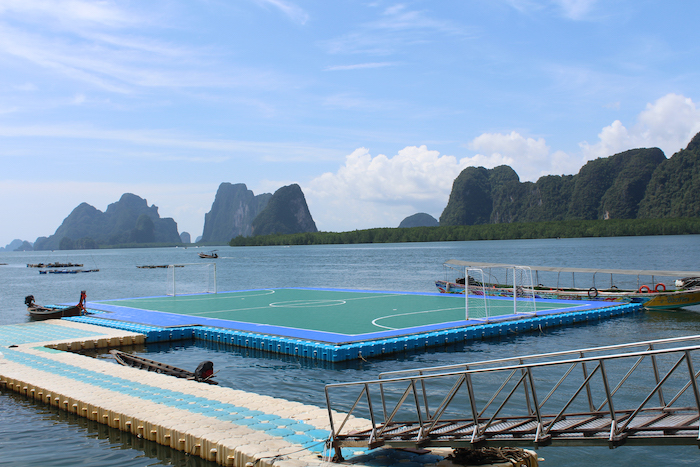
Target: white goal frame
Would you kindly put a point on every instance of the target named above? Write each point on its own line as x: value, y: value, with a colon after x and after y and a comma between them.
x: 524, y: 288
x: 478, y: 295
x: 194, y: 282
x: 521, y: 288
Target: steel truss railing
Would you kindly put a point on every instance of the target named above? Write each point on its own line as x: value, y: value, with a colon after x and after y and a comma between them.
x: 637, y: 393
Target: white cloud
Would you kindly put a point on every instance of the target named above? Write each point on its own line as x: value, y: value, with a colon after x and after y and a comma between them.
x: 380, y: 191
x: 669, y: 124
x: 529, y: 157
x: 370, y: 191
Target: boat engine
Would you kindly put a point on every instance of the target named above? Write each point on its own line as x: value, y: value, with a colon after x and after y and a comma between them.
x: 29, y: 301
x: 688, y: 282
x: 204, y: 371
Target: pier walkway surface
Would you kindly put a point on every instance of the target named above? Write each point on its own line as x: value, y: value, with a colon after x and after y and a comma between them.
x: 228, y: 426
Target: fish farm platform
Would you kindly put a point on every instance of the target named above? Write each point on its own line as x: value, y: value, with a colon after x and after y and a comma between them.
x: 334, y: 324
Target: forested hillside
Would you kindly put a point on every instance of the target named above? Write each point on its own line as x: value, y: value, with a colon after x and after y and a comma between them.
x: 674, y: 189
x: 635, y: 184
x: 285, y: 213
x: 128, y: 221
x: 232, y: 213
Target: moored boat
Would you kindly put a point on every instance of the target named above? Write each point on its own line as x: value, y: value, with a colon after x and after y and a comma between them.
x: 650, y: 291
x: 55, y: 265
x: 66, y: 271
x: 203, y: 373
x: 52, y: 312
x: 211, y: 254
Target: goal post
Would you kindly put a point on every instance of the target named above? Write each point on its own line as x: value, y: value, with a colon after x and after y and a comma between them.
x: 476, y: 304
x: 191, y: 278
x: 523, y: 291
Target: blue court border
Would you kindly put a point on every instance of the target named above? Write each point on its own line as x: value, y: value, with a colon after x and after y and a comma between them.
x: 172, y: 320
x: 164, y: 327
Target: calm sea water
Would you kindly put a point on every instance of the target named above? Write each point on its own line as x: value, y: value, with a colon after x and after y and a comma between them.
x: 33, y: 434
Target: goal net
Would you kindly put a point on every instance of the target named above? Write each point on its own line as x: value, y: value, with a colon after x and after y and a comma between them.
x: 523, y: 290
x: 515, y: 296
x: 191, y: 278
x: 476, y: 303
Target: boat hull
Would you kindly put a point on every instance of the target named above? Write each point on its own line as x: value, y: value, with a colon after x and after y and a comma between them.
x: 43, y: 312
x: 142, y: 363
x: 673, y: 300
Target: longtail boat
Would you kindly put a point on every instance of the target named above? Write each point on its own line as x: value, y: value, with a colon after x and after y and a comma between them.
x: 203, y: 373
x: 650, y: 291
x: 37, y: 312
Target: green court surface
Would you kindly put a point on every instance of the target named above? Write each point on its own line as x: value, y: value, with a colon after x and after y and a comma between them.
x: 317, y: 313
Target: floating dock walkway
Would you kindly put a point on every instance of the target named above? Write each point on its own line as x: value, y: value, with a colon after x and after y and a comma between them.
x: 219, y: 424
x: 224, y: 425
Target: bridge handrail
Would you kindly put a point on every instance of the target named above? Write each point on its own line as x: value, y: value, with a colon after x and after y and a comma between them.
x: 464, y: 374
x: 446, y: 368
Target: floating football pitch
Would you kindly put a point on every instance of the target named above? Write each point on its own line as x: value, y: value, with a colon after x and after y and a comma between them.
x: 323, y: 315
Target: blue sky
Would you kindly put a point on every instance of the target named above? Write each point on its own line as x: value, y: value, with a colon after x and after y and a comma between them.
x: 373, y: 107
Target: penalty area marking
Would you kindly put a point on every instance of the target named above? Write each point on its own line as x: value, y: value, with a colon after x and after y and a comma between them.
x: 374, y: 321
x: 307, y: 303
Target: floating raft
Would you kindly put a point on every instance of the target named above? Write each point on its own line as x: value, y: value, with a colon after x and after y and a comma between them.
x: 335, y: 325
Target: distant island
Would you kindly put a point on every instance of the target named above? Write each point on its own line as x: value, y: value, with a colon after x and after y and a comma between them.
x: 516, y: 230
x: 420, y: 219
x: 130, y: 222
x: 635, y: 184
x: 636, y: 192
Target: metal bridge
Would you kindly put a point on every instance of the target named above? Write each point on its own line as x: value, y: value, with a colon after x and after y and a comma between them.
x: 642, y: 393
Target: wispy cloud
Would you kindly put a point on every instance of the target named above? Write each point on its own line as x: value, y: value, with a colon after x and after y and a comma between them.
x: 174, y: 140
x: 393, y: 29
x: 571, y: 9
x: 122, y: 62
x: 353, y: 101
x: 576, y: 9
x: 293, y: 11
x: 360, y: 66
x: 69, y: 13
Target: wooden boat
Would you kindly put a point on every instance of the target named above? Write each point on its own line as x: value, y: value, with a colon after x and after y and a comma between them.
x: 649, y: 291
x: 211, y: 254
x: 66, y: 271
x: 37, y: 312
x: 203, y: 373
x: 55, y: 265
